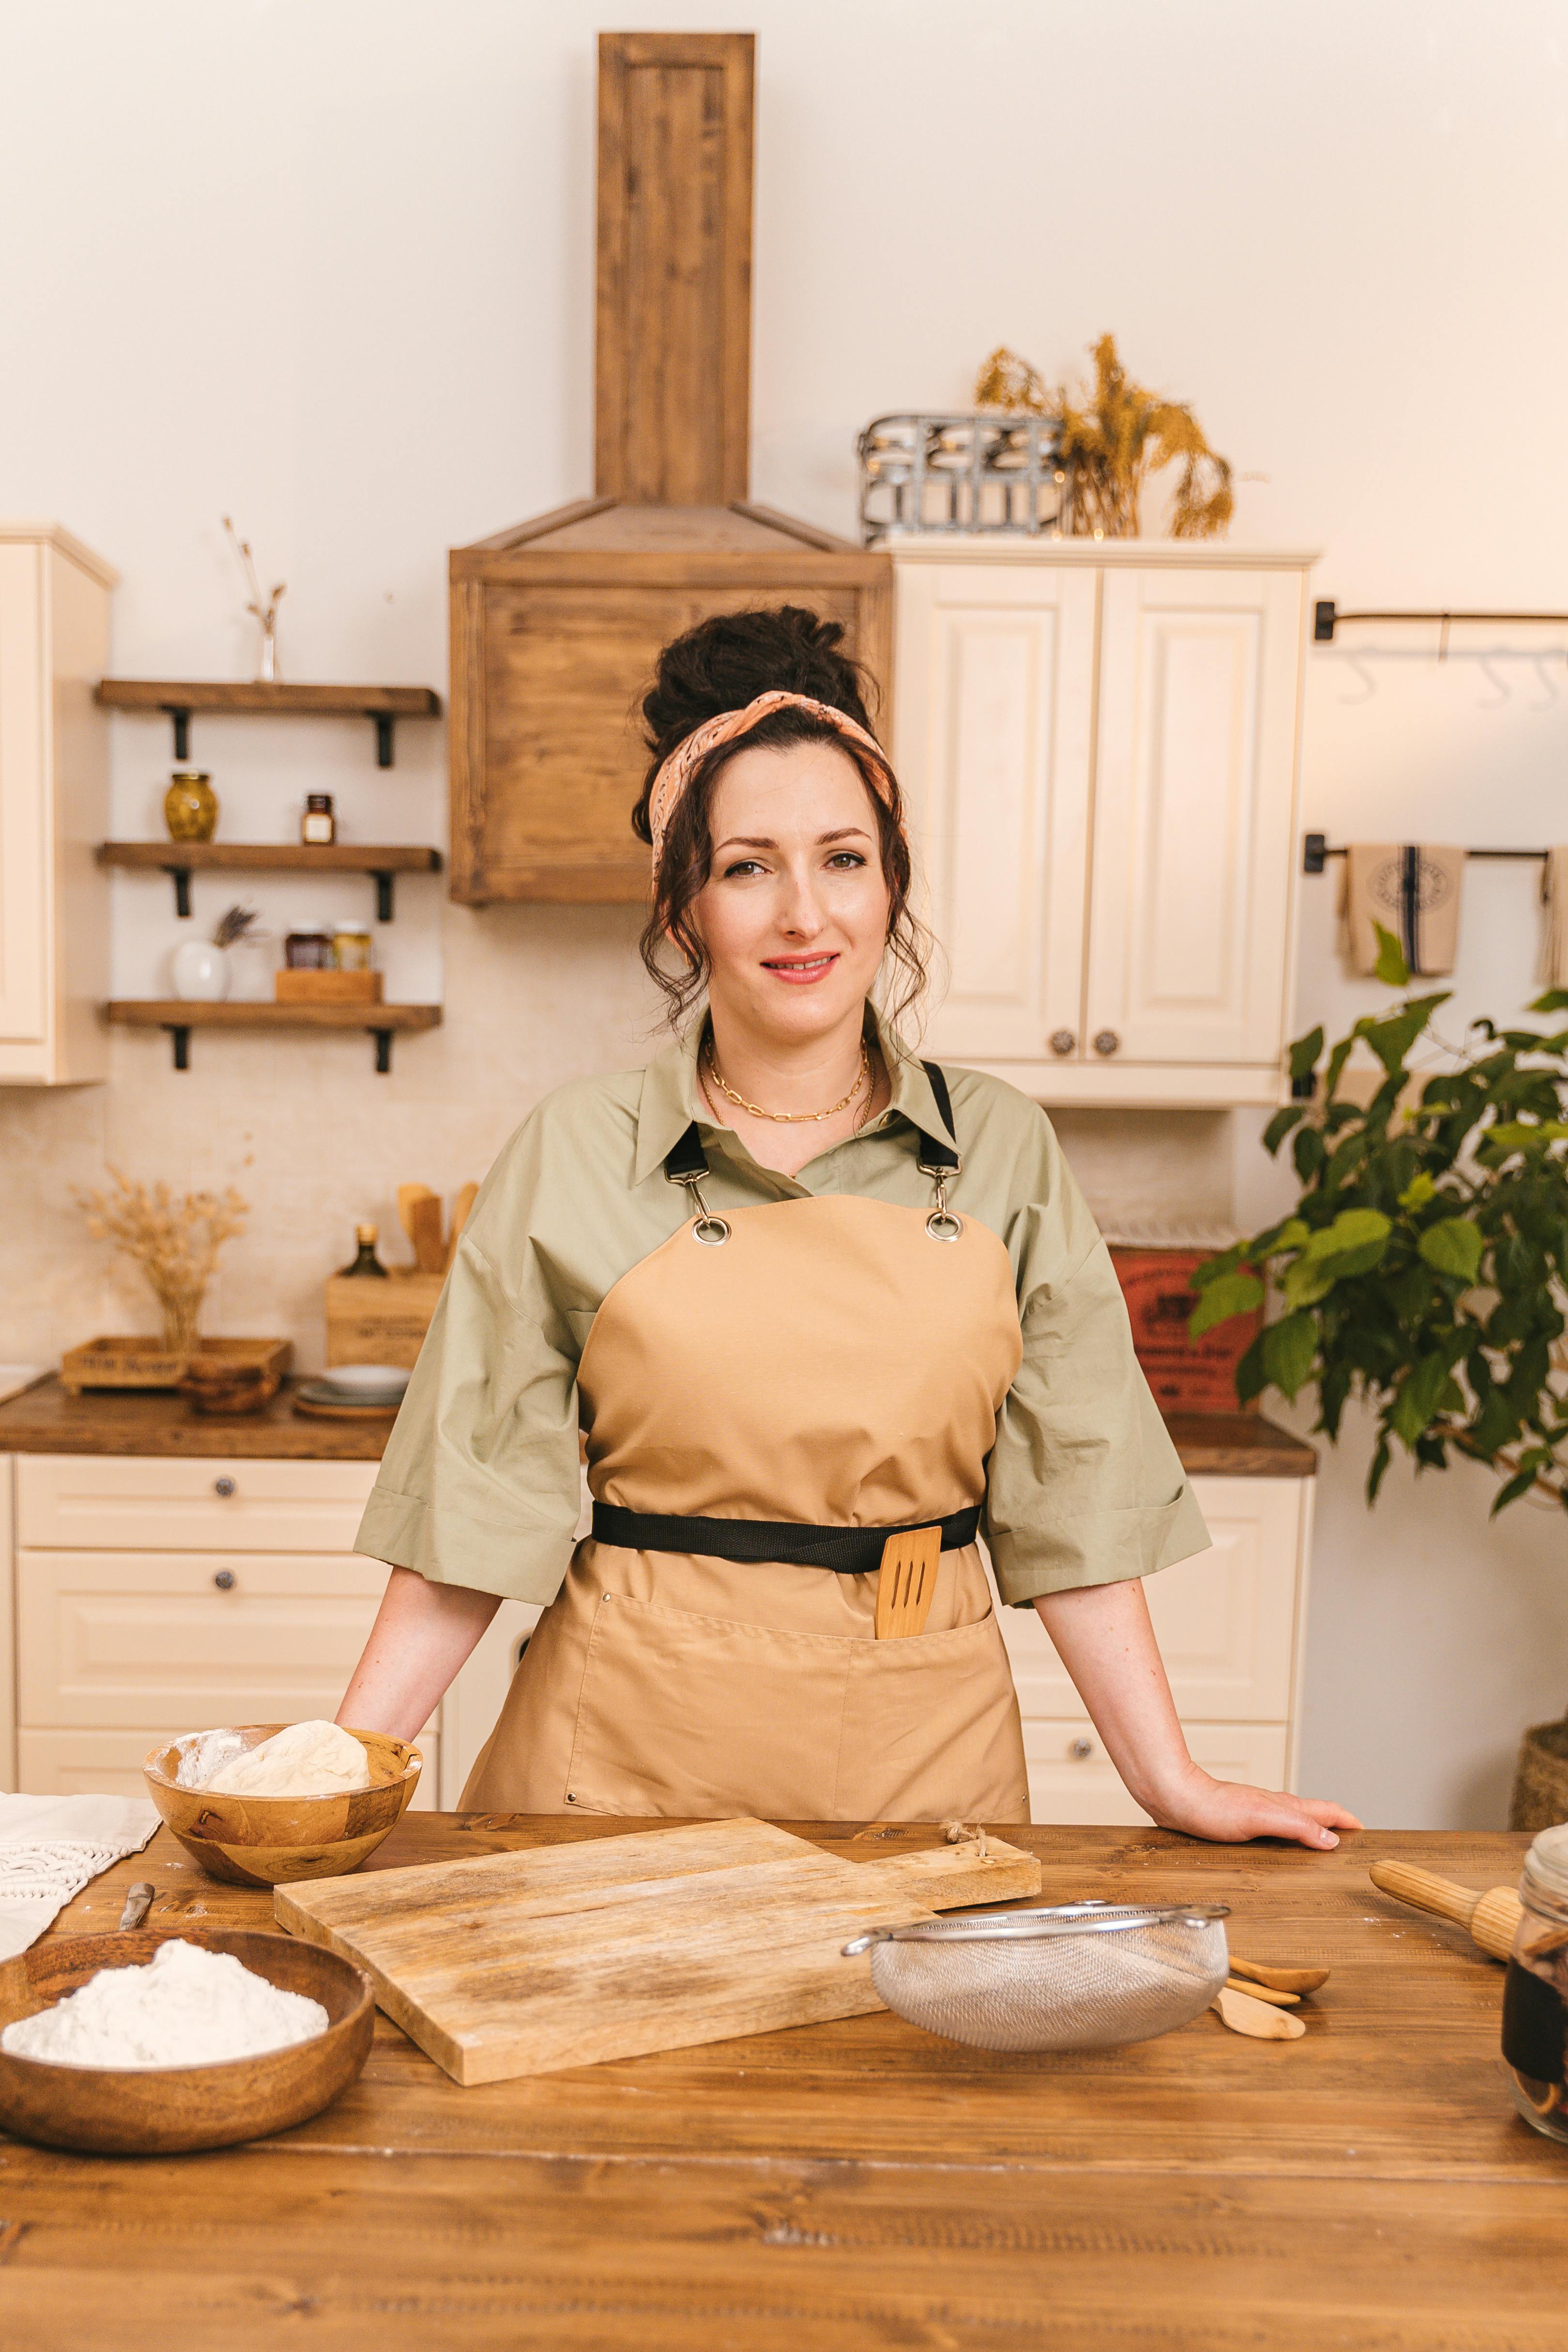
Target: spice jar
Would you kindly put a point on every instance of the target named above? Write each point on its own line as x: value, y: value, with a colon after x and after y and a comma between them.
x: 190, y: 805
x: 1535, y: 1994
x: 351, y: 947
x: 308, y: 949
x: 318, y: 826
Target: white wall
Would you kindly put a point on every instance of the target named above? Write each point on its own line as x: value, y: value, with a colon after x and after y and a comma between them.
x: 328, y: 266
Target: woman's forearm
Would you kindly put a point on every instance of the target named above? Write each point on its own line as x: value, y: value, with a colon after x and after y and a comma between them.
x: 423, y: 1633
x: 1105, y: 1640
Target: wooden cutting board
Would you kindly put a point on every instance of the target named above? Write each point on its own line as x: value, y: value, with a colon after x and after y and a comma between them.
x: 560, y: 1956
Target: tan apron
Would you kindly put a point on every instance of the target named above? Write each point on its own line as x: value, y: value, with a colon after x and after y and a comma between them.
x: 831, y: 1363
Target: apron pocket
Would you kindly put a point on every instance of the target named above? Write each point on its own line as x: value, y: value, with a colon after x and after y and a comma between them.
x: 932, y: 1731
x: 703, y: 1717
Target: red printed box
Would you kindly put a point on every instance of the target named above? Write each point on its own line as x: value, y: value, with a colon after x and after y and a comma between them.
x: 1187, y: 1375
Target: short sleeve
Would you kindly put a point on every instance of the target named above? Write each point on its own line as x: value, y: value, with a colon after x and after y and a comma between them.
x: 480, y: 1484
x: 1085, y: 1486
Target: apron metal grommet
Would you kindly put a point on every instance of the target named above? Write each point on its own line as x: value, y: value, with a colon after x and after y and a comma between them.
x: 711, y: 1232
x: 943, y: 1226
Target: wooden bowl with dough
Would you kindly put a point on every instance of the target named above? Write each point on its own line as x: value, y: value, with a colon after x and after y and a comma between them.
x: 268, y: 1841
x: 166, y: 2110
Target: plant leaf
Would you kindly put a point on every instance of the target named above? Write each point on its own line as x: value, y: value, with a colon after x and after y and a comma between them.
x: 1289, y: 1348
x: 1233, y: 1293
x: 1520, y: 1484
x: 1418, y: 1397
x: 1280, y: 1126
x: 1454, y: 1247
x: 1418, y: 1191
x: 1304, y: 1054
x: 1391, y: 967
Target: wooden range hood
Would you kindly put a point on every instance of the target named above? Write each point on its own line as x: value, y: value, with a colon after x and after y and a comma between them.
x: 556, y: 623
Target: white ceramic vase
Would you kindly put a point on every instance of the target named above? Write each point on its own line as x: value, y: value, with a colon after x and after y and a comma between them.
x: 202, y: 972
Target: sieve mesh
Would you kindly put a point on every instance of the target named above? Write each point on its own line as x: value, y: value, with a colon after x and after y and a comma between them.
x: 1064, y: 1983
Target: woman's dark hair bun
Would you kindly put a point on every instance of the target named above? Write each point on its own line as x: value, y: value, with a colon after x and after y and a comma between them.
x: 727, y: 661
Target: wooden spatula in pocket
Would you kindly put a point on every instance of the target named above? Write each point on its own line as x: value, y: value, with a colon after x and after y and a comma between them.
x: 907, y: 1584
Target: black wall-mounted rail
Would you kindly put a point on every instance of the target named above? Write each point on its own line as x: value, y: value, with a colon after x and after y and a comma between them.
x: 1317, y: 849
x: 1327, y: 618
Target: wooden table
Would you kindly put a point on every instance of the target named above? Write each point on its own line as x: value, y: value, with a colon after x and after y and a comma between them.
x: 862, y: 2183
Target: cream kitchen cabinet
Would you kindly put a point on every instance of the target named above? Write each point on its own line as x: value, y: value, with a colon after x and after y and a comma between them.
x: 54, y: 806
x: 1230, y: 1624
x: 1100, y: 743
x: 147, y: 1596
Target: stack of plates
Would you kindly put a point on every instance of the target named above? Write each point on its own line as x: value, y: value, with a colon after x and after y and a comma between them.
x: 367, y: 1388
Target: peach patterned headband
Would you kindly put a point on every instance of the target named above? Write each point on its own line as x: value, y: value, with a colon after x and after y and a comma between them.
x: 669, y: 784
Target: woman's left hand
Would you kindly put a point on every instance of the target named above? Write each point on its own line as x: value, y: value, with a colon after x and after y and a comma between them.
x: 1229, y: 1812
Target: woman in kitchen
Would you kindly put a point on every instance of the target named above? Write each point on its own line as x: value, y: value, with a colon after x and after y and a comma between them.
x: 824, y: 1313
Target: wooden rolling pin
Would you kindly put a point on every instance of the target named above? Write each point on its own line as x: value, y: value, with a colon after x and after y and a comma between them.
x: 1491, y: 1917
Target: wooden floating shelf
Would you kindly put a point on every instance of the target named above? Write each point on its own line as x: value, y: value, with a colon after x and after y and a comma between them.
x: 180, y: 859
x: 179, y: 1016
x: 273, y: 697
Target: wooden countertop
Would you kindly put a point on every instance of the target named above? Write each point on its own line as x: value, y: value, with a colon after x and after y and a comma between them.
x: 44, y: 1420
x: 860, y: 2183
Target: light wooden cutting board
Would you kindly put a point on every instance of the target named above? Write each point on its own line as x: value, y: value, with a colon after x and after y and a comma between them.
x: 560, y: 1956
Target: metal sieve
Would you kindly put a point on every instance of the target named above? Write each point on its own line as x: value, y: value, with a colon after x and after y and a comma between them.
x: 1080, y: 1976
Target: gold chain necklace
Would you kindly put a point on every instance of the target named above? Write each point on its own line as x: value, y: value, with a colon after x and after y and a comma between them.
x: 791, y: 1118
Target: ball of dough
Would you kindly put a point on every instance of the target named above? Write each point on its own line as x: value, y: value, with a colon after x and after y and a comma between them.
x: 304, y: 1759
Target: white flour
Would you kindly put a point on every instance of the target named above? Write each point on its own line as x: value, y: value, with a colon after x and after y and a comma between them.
x: 188, y: 2007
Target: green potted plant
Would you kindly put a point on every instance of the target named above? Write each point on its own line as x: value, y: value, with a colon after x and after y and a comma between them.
x: 1424, y: 1268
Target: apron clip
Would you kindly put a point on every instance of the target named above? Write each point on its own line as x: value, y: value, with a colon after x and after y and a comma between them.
x: 688, y: 1165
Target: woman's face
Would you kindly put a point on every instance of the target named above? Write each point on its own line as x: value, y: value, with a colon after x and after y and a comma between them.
x: 794, y: 911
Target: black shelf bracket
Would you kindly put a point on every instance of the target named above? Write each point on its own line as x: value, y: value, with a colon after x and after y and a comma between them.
x: 383, y: 880
x: 180, y: 1032
x: 383, y: 724
x: 180, y: 875
x: 182, y: 718
x: 1314, y: 852
x: 383, y: 1051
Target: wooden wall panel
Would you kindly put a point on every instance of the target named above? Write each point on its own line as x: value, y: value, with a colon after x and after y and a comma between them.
x: 674, y: 308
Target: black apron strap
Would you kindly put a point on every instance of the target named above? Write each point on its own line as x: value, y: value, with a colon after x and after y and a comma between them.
x: 848, y: 1551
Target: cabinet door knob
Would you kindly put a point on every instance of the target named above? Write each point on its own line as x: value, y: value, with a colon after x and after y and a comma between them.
x: 224, y: 1579
x: 1081, y: 1749
x: 1062, y: 1041
x: 223, y: 1485
x: 1106, y: 1041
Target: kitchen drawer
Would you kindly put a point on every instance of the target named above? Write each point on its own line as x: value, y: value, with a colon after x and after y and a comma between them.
x: 127, y: 1639
x: 1071, y: 1778
x: 109, y: 1763
x: 1226, y: 1620
x: 135, y: 1503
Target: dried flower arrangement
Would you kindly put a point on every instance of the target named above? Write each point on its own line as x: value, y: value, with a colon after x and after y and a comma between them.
x: 1112, y: 440
x: 234, y: 928
x: 174, y: 1242
x: 266, y: 611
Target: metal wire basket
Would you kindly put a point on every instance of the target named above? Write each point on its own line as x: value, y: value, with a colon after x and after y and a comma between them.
x: 1080, y: 1976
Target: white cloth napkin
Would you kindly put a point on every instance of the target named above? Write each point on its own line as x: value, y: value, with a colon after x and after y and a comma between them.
x: 52, y: 1847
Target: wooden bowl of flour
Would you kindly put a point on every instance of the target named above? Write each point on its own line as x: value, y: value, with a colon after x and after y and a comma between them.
x: 268, y: 1841
x: 166, y: 2110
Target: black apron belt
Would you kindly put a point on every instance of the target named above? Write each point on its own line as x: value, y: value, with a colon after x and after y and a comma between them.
x: 848, y: 1551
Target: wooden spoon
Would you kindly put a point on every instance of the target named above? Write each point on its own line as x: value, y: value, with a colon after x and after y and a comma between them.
x: 1245, y: 2015
x: 1278, y: 1979
x: 1265, y: 1992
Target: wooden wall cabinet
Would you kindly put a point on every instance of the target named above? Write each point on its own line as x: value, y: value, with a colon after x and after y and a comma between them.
x: 54, y: 806
x: 1099, y: 742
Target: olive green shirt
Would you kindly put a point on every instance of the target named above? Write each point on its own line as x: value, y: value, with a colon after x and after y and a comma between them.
x: 479, y: 1486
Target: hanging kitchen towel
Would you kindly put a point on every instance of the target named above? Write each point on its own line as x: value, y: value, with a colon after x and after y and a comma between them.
x: 52, y: 1847
x: 1412, y: 888
x: 1554, y: 895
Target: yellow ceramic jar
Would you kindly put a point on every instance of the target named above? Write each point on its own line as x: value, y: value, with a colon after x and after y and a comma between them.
x: 190, y: 805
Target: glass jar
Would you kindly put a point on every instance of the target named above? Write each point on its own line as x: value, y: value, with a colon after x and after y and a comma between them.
x: 309, y: 949
x: 190, y: 805
x: 318, y: 826
x: 351, y: 947
x: 1535, y: 1994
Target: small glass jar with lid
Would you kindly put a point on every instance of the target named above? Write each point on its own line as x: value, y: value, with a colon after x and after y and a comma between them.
x: 351, y: 950
x: 308, y: 947
x: 1535, y: 1995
